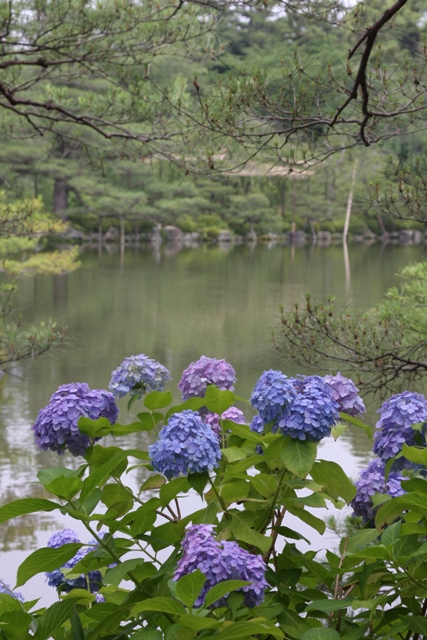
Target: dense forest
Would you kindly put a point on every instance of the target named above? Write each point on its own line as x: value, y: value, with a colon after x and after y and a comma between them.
x: 93, y: 184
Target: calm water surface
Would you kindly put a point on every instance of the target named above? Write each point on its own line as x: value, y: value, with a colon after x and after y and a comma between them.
x: 173, y: 306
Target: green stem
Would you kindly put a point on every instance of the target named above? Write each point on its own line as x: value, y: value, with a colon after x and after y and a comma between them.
x: 221, y: 501
x: 270, y: 513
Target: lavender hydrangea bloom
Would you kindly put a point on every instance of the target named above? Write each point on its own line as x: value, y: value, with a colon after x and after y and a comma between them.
x: 5, y: 588
x: 312, y: 413
x: 346, y: 393
x: 394, y: 428
x: 220, y: 561
x: 272, y: 394
x: 199, y: 374
x: 257, y: 424
x: 57, y: 579
x: 185, y: 445
x: 233, y: 413
x: 56, y: 426
x: 138, y: 374
x: 372, y: 481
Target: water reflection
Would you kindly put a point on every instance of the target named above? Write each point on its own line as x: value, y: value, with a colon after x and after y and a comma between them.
x: 174, y: 305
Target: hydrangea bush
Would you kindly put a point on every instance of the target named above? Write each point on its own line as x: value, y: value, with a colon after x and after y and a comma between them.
x: 235, y: 565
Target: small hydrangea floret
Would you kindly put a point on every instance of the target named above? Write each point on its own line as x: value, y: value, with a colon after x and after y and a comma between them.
x: 138, y: 375
x: 213, y: 419
x: 56, y: 578
x: 56, y: 426
x: 394, y: 428
x: 203, y: 372
x: 371, y: 481
x: 219, y: 561
x: 185, y: 445
x: 345, y: 392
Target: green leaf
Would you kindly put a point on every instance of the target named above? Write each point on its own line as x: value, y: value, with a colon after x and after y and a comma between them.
x: 321, y: 633
x: 65, y: 488
x: 333, y: 479
x: 102, y: 473
x: 25, y: 506
x: 217, y: 400
x: 391, y: 534
x: 172, y: 489
x: 197, y: 623
x: 329, y: 605
x: 118, y: 573
x: 234, y: 453
x: 247, y: 629
x: 299, y: 456
x: 153, y: 482
x: 135, y: 427
x: 94, y: 428
x: 309, y: 519
x: 234, y: 491
x: 243, y: 431
x: 46, y: 476
x: 161, y: 604
x: 359, y: 540
x: 188, y: 587
x: 357, y: 423
x: 76, y: 626
x: 338, y: 430
x: 157, y: 400
x: 417, y: 624
x: 46, y: 559
x: 264, y: 484
x: 53, y: 618
x: 415, y: 454
x: 192, y: 403
x: 222, y: 589
x: 9, y: 603
x: 146, y: 421
x: 198, y: 481
x: 241, y: 531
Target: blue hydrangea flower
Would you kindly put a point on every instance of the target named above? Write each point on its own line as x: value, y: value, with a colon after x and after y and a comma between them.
x: 233, y: 413
x: 57, y: 578
x: 56, y: 425
x: 394, y: 428
x: 312, y: 413
x: 5, y: 588
x: 345, y: 392
x: 138, y: 374
x: 372, y: 481
x: 272, y: 394
x: 198, y: 375
x: 220, y: 561
x: 257, y: 424
x: 185, y: 445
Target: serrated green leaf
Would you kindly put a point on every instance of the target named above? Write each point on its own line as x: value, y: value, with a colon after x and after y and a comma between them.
x: 116, y: 574
x: 222, y: 589
x: 198, y: 481
x: 94, y: 428
x: 333, y: 479
x: 234, y: 491
x: 25, y: 506
x: 153, y: 482
x: 197, y: 623
x: 217, y: 400
x: 329, y: 605
x: 321, y: 633
x: 194, y: 404
x: 53, y: 618
x: 46, y: 476
x: 46, y: 559
x: 118, y: 430
x: 299, y: 456
x: 415, y: 454
x: 247, y: 629
x: 9, y: 603
x: 357, y: 423
x: 65, y: 488
x: 241, y: 531
x: 160, y: 604
x: 157, y: 400
x: 338, y: 430
x: 234, y: 453
x: 264, y: 484
x: 102, y: 473
x: 188, y: 587
x: 359, y: 540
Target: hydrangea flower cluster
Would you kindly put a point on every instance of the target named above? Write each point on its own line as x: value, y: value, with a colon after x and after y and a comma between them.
x: 56, y: 425
x: 138, y: 374
x: 257, y: 424
x: 199, y: 374
x: 272, y: 394
x: 220, y: 561
x: 372, y: 481
x: 302, y: 408
x: 394, y: 428
x: 312, y: 414
x: 185, y: 445
x: 57, y: 579
x: 345, y: 392
x: 233, y: 413
x: 5, y: 588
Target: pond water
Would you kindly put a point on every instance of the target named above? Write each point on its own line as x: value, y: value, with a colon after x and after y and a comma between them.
x: 174, y: 306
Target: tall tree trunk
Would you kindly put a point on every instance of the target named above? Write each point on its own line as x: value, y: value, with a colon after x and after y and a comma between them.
x: 60, y: 197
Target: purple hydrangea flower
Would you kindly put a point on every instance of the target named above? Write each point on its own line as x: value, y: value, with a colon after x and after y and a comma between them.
x: 312, y: 413
x: 220, y: 561
x: 372, y: 481
x: 5, y: 588
x: 57, y: 579
x: 272, y: 394
x: 257, y: 424
x: 198, y: 375
x: 56, y: 425
x: 185, y: 445
x: 138, y: 374
x: 394, y: 428
x: 233, y: 413
x: 346, y: 393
